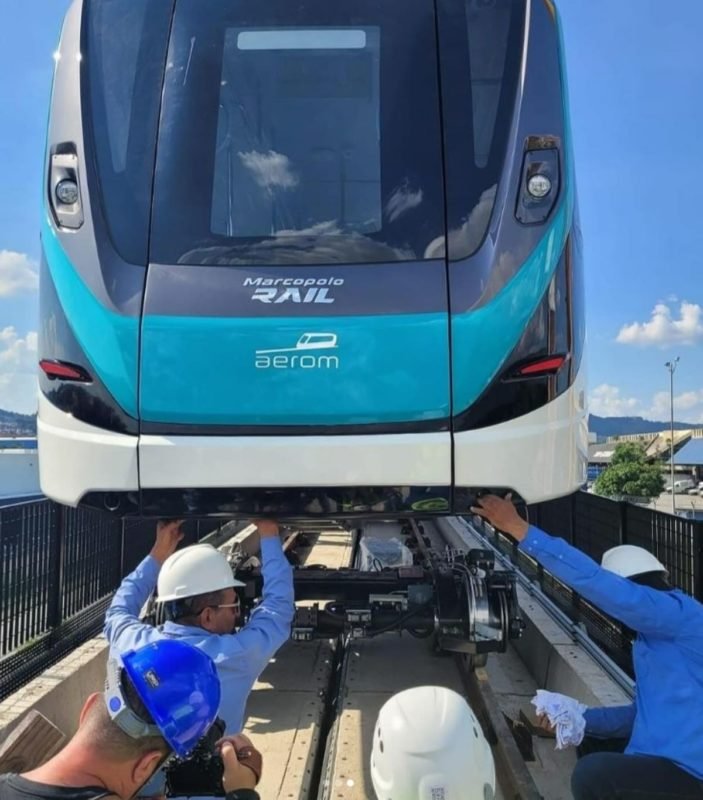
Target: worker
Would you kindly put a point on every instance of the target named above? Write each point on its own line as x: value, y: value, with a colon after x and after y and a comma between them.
x: 427, y: 742
x: 197, y: 589
x: 660, y: 735
x: 159, y: 700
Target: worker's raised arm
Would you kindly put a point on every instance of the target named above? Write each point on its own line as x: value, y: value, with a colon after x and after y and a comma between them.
x: 269, y: 625
x: 123, y: 628
x: 646, y: 610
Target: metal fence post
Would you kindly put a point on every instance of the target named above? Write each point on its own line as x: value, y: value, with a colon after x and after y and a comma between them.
x: 58, y: 561
x: 576, y: 604
x: 698, y: 561
x: 572, y: 518
x: 622, y: 521
x: 122, y: 554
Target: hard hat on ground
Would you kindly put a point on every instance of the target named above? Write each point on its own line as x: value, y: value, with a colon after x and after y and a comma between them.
x: 178, y: 685
x: 628, y: 560
x: 195, y: 570
x: 428, y: 743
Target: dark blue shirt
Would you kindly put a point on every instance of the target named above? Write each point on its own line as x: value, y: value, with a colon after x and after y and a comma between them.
x: 666, y: 718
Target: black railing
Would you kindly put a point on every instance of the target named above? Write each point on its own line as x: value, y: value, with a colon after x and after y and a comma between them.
x: 595, y: 524
x: 58, y: 569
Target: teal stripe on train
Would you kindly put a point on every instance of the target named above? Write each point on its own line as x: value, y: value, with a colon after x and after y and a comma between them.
x: 482, y: 339
x: 390, y: 368
x: 109, y: 340
x: 253, y: 371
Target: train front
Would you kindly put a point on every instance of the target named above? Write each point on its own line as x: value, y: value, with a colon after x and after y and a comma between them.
x: 302, y: 260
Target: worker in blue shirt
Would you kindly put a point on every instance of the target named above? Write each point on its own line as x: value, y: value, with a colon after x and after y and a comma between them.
x: 197, y: 587
x: 662, y: 731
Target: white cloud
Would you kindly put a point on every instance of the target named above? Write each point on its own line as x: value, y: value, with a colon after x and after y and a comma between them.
x: 659, y: 408
x: 270, y: 169
x: 686, y: 406
x: 606, y: 401
x: 663, y: 330
x: 18, y: 273
x: 18, y: 371
x: 688, y: 400
x: 467, y: 237
x: 403, y: 199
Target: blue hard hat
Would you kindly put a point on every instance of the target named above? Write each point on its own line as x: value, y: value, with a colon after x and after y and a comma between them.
x: 179, y: 687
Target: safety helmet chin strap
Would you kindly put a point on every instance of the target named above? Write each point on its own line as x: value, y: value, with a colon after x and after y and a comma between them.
x: 118, y: 708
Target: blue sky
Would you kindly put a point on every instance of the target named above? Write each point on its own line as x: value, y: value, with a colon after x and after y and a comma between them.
x: 635, y: 77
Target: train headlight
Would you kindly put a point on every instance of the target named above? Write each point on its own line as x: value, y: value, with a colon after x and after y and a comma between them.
x: 67, y: 192
x: 539, y: 186
x: 540, y: 181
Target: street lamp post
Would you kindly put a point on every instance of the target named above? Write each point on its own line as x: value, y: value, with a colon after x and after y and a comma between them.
x: 671, y: 366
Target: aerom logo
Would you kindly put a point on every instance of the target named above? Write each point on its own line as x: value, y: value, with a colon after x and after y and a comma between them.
x: 305, y: 355
x: 293, y: 290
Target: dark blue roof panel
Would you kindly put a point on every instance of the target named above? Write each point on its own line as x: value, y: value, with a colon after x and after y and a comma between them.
x: 690, y: 455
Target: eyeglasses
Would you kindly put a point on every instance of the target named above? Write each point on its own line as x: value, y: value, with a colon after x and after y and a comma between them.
x: 236, y: 604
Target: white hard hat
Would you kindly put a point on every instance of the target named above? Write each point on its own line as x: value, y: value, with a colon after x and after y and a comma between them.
x: 428, y: 743
x: 194, y: 570
x: 628, y: 560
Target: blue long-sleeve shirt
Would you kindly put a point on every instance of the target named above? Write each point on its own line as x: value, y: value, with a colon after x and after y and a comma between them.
x: 240, y: 657
x: 666, y: 718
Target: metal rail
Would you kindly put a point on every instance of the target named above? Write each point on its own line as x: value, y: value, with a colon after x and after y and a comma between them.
x: 433, y: 537
x: 512, y: 772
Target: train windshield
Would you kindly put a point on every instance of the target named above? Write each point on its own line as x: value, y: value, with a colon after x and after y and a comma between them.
x: 299, y: 133
x: 313, y: 133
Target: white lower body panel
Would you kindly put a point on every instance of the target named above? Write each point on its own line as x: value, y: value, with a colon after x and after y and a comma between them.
x: 541, y: 455
x: 76, y: 458
x: 421, y: 459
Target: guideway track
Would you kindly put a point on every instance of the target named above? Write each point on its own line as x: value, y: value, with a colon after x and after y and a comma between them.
x: 313, y: 710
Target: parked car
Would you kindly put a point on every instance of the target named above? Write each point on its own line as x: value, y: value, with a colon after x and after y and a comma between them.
x: 681, y: 486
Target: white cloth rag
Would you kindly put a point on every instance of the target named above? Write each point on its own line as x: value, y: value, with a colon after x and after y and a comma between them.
x: 565, y: 714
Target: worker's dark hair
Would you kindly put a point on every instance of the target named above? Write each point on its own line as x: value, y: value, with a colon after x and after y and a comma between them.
x: 189, y: 609
x: 655, y: 580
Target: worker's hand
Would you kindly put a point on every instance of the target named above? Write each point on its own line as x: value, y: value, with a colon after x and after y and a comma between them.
x: 268, y: 528
x: 502, y: 515
x: 168, y: 536
x: 544, y: 723
x: 242, y: 762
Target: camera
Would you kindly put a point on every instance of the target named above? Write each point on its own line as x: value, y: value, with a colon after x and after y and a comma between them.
x: 201, y: 772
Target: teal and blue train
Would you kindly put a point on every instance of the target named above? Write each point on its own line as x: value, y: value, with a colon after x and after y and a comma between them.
x: 311, y: 258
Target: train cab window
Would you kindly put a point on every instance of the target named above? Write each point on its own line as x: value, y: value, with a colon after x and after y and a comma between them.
x: 124, y: 49
x: 297, y: 138
x: 481, y: 46
x: 304, y: 133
